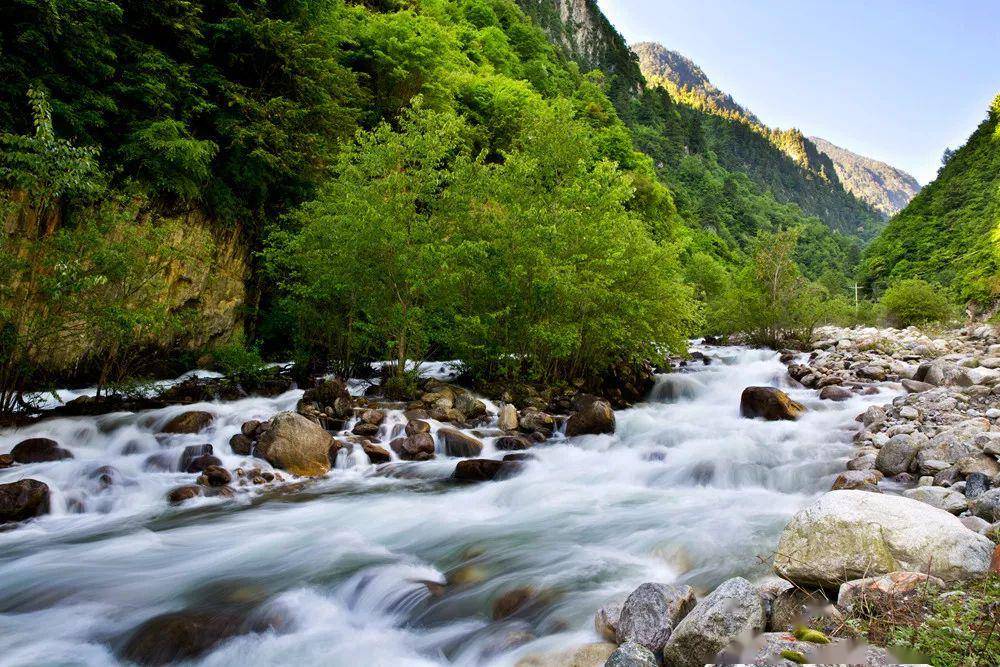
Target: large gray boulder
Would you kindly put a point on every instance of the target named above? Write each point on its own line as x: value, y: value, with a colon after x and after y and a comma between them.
x: 651, y: 612
x: 897, y: 455
x: 296, y: 444
x: 732, y: 611
x: 849, y: 535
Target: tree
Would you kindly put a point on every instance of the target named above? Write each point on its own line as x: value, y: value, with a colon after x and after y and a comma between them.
x: 914, y: 301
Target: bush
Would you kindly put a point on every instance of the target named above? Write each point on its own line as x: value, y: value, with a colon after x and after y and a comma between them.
x: 914, y: 301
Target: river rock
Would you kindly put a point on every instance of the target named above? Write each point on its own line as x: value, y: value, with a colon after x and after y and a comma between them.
x: 416, y: 426
x: 987, y: 505
x: 329, y: 395
x: 835, y: 393
x: 241, y: 444
x: 459, y: 444
x: 770, y: 403
x: 606, y: 620
x: 859, y: 480
x: 507, y: 418
x: 513, y: 602
x: 376, y: 455
x: 182, y: 493
x: 215, y: 475
x: 485, y: 470
x: 178, y: 636
x: 23, y: 499
x: 632, y: 654
x: 416, y: 447
x: 875, y: 594
x: 976, y: 484
x: 200, y: 463
x: 651, y: 612
x: 39, y: 450
x: 192, y: 421
x: 588, y: 655
x: 733, y: 610
x: 849, y: 535
x: 192, y: 452
x: 939, y: 497
x: 915, y: 386
x: 596, y: 416
x: 296, y: 444
x: 513, y: 443
x: 897, y: 455
x: 533, y: 420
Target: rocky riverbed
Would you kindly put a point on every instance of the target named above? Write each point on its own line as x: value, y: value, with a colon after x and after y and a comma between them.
x: 329, y: 526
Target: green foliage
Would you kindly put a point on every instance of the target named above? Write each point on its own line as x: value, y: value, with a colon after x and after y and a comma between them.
x: 914, y: 301
x: 949, y: 233
x: 239, y: 362
x: 532, y: 263
x: 961, y: 629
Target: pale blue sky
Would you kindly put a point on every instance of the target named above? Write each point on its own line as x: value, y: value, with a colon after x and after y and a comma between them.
x: 897, y: 80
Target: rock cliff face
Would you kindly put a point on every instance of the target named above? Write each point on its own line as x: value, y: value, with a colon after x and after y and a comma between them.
x: 211, y: 286
x: 588, y: 38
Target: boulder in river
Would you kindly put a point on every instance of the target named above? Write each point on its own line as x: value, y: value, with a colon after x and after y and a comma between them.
x: 23, y: 499
x: 897, y: 455
x: 376, y: 454
x: 835, y: 393
x: 770, y: 403
x: 181, y: 493
x: 330, y: 395
x: 459, y: 444
x: 296, y: 444
x: 507, y: 417
x: 179, y: 636
x: 651, y: 611
x: 241, y: 444
x: 416, y: 447
x: 536, y: 421
x: 215, y: 476
x: 732, y: 611
x: 595, y: 416
x: 848, y: 535
x: 485, y: 470
x: 606, y: 620
x: 192, y: 452
x: 415, y: 426
x: 513, y: 443
x: 587, y: 655
x: 39, y: 450
x: 192, y: 421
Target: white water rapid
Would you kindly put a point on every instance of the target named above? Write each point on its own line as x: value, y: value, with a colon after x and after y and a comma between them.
x: 685, y: 491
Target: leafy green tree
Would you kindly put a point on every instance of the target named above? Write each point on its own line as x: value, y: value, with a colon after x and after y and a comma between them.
x: 914, y: 301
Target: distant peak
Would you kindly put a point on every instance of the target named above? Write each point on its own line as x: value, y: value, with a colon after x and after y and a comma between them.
x: 885, y: 188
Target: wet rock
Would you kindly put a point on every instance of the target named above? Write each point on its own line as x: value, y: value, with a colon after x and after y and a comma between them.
x: 23, y: 499
x: 251, y: 429
x: 606, y: 620
x: 848, y: 535
x: 6, y: 461
x: 468, y: 405
x: 632, y: 654
x: 295, y: 444
x: 365, y: 429
x: 941, y: 498
x: 459, y: 444
x: 241, y: 444
x: 507, y: 418
x: 417, y: 447
x: 192, y: 452
x: 417, y: 426
x: 859, y: 480
x: 160, y: 462
x: 835, y: 393
x: 533, y: 420
x: 513, y: 602
x: 178, y: 636
x: 331, y: 396
x: 201, y: 463
x: 39, y: 450
x: 513, y: 443
x: 651, y: 612
x: 375, y: 453
x: 215, y: 476
x: 874, y: 595
x: 182, y: 493
x: 594, y: 417
x: 193, y: 421
x: 484, y: 470
x: 373, y: 416
x: 732, y: 610
x: 520, y: 456
x: 770, y: 403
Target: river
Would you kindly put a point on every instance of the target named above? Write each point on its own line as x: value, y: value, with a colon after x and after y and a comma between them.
x: 337, y: 569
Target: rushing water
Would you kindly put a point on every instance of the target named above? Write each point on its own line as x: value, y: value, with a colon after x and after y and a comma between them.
x: 684, y: 491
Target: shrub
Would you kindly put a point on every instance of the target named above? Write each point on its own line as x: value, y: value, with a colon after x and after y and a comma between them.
x: 914, y: 301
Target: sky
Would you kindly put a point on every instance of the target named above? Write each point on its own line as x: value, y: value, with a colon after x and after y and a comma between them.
x: 895, y: 80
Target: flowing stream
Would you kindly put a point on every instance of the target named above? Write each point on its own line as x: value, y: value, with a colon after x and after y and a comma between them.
x: 337, y: 569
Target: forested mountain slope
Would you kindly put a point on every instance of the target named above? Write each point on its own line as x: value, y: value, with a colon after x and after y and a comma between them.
x: 950, y: 232
x: 883, y: 187
x: 783, y: 162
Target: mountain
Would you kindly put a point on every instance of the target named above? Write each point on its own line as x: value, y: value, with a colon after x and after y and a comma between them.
x: 783, y: 162
x: 685, y: 80
x: 884, y: 187
x: 949, y: 233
